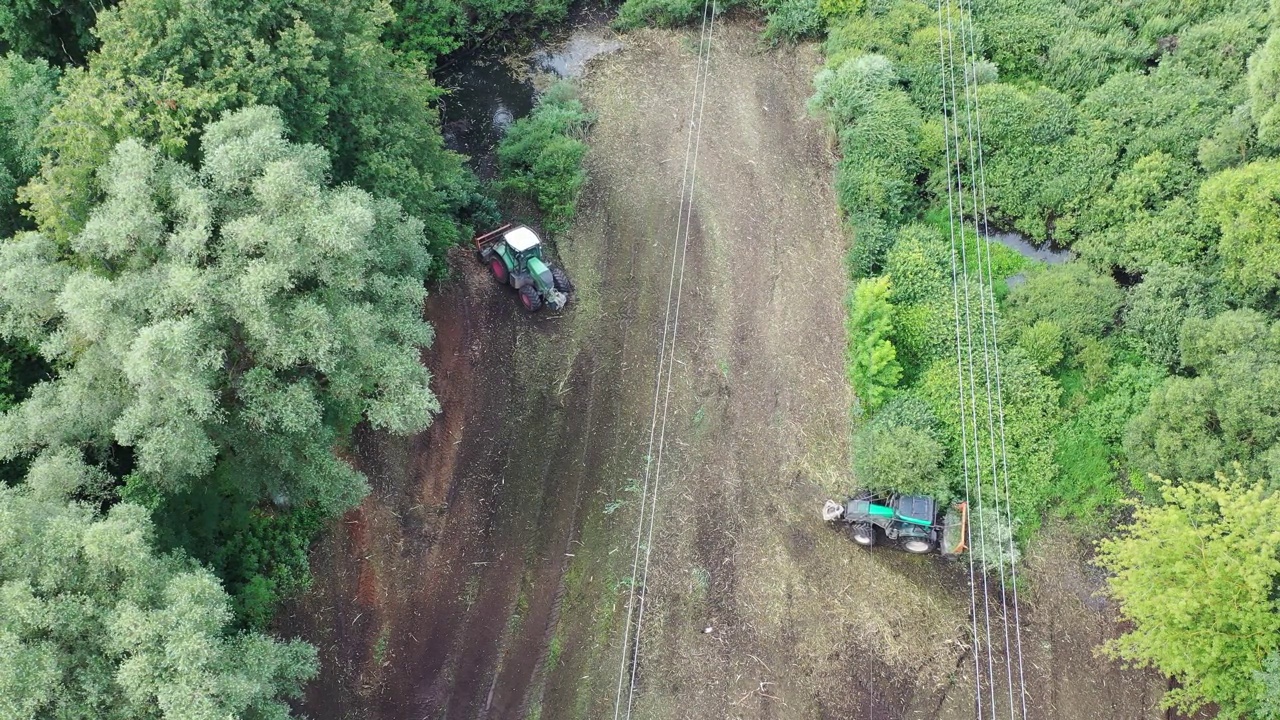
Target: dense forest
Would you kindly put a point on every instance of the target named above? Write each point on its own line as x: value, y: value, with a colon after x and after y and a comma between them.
x: 218, y: 219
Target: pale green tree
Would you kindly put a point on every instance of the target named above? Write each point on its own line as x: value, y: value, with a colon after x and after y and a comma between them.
x: 97, y: 624
x: 1194, y: 575
x: 242, y: 317
x: 873, y: 367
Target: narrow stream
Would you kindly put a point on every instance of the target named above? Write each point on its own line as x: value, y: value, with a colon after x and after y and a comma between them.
x: 1046, y: 253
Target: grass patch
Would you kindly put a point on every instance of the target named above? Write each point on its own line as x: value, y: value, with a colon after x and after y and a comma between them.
x: 1086, y: 487
x: 380, y: 647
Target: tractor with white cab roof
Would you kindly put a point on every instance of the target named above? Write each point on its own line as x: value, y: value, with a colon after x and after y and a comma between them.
x: 514, y: 256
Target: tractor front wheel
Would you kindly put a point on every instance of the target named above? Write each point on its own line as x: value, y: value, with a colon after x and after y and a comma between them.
x: 498, y: 269
x: 561, y: 280
x: 863, y: 533
x: 530, y: 299
x: 917, y: 545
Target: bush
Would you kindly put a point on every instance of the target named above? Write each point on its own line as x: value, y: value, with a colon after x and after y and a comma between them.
x: 991, y: 535
x: 1042, y: 343
x: 1031, y: 418
x: 919, y: 265
x: 1148, y: 217
x: 667, y: 13
x: 872, y: 363
x: 1241, y: 204
x: 1156, y: 309
x: 1081, y: 302
x: 541, y: 155
x: 870, y: 242
x: 1264, y: 91
x: 899, y: 459
x: 792, y: 19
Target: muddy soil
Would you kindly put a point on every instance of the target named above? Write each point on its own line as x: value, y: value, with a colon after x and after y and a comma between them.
x: 487, y: 575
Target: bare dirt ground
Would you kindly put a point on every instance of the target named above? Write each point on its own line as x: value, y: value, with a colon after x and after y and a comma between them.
x: 486, y: 575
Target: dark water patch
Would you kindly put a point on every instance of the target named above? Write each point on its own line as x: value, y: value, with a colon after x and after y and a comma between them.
x: 1046, y: 252
x: 487, y: 89
x: 485, y: 96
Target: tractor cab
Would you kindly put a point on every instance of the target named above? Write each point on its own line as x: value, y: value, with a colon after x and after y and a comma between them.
x: 514, y: 256
x: 522, y: 245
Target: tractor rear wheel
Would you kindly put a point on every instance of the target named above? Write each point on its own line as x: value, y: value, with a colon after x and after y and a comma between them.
x: 530, y: 299
x: 561, y: 280
x: 498, y: 269
x: 916, y: 545
x: 863, y: 533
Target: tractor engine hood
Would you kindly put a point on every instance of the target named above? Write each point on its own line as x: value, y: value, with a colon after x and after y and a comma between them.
x: 541, y: 274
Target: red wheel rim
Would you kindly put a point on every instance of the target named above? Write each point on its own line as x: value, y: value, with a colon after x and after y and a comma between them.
x: 499, y: 270
x: 528, y: 304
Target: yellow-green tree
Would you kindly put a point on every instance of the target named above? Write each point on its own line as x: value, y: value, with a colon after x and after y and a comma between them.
x: 1195, y: 576
x: 873, y: 361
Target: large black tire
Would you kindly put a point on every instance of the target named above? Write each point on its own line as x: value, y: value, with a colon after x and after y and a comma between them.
x: 530, y: 298
x: 498, y: 269
x: 917, y: 545
x: 561, y: 280
x: 863, y: 534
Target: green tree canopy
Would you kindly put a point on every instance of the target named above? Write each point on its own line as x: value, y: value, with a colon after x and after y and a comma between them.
x: 26, y: 94
x: 1228, y: 411
x: 1081, y: 302
x: 1147, y: 217
x: 240, y: 317
x: 873, y: 366
x: 166, y: 69
x: 1195, y: 577
x: 97, y: 624
x: 1241, y: 203
x: 1157, y: 307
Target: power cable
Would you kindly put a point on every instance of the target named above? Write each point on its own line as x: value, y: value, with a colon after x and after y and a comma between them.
x: 985, y: 301
x: 662, y: 437
x: 964, y: 442
x: 667, y: 330
x: 982, y: 185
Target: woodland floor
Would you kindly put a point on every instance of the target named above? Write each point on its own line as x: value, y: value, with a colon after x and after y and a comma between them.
x: 483, y: 576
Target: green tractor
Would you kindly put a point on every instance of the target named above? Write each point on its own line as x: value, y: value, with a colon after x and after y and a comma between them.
x: 913, y: 522
x: 514, y: 256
